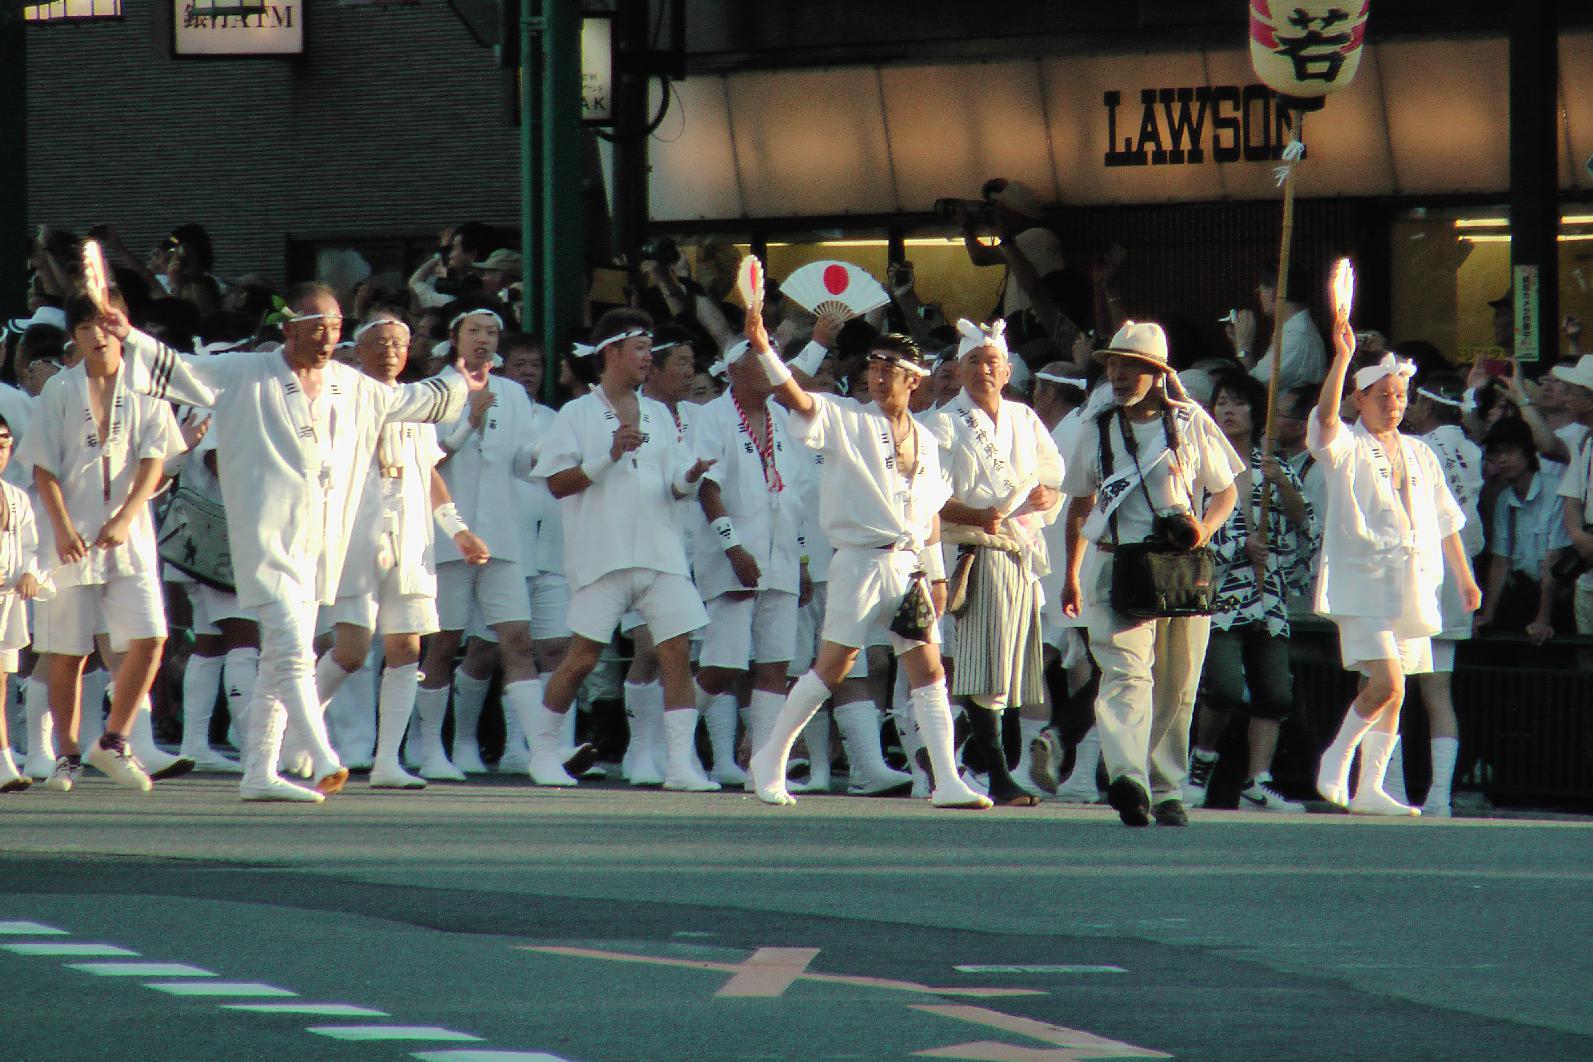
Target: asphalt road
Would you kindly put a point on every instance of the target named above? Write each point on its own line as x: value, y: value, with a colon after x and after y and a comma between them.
x: 607, y: 925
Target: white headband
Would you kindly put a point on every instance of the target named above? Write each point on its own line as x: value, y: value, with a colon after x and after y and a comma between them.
x: 898, y: 359
x: 975, y: 336
x: 377, y: 323
x: 584, y: 351
x: 313, y: 317
x: 733, y: 353
x: 1388, y: 365
x: 1457, y: 403
x: 480, y: 311
x: 1066, y: 381
x: 203, y: 349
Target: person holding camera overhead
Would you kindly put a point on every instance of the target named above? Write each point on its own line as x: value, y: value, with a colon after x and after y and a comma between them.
x: 1134, y: 478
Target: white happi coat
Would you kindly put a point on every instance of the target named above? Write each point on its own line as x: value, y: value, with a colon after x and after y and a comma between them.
x: 96, y: 474
x: 540, y: 530
x: 19, y: 556
x: 995, y: 464
x: 864, y: 503
x: 1056, y: 542
x: 1461, y: 461
x: 289, y: 492
x: 481, y: 475
x: 627, y: 518
x: 16, y: 406
x: 768, y: 522
x: 392, y: 531
x: 1377, y: 560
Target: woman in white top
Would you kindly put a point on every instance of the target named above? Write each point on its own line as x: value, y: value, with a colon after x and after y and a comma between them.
x: 1391, y: 524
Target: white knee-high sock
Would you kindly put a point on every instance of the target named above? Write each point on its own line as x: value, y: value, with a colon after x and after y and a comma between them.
x: 470, y: 695
x: 816, y: 735
x: 431, y: 706
x: 799, y: 706
x: 1333, y: 775
x: 201, y: 684
x: 329, y: 678
x: 721, y: 716
x: 395, y: 704
x: 765, y: 709
x: 1445, y: 750
x: 239, y: 672
x: 36, y: 703
x: 932, y: 709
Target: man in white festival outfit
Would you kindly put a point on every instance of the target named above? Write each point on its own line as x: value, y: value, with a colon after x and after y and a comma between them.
x: 880, y: 502
x: 295, y: 435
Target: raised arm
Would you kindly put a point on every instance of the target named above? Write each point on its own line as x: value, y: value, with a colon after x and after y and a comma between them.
x: 157, y: 370
x: 787, y: 391
x: 1327, y: 404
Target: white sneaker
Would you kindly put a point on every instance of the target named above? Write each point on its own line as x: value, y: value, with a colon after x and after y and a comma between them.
x: 121, y: 767
x: 1260, y: 795
x: 1198, y: 780
x: 393, y: 776
x: 63, y: 776
x: 279, y: 790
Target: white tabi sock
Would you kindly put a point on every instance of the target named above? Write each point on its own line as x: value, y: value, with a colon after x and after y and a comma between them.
x: 722, y: 717
x: 1333, y: 773
x: 683, y: 770
x: 141, y: 741
x: 395, y: 705
x: 1445, y: 750
x: 1377, y: 748
x: 41, y: 738
x: 201, y: 685
x: 239, y: 673
x: 868, y: 773
x: 329, y: 678
x: 768, y: 761
x: 351, y: 714
x: 431, y: 706
x: 933, y: 711
x: 646, y: 724
x: 470, y: 694
x: 543, y: 728
x: 816, y: 736
x: 763, y: 709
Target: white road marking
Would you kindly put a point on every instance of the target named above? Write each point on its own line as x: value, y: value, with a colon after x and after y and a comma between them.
x: 322, y: 1010
x: 233, y: 989
x: 140, y: 969
x: 486, y: 1056
x: 29, y: 929
x: 86, y: 950
x: 391, y: 1032
x: 1063, y: 969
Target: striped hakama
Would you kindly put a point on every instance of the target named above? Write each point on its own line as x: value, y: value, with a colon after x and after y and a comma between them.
x: 997, y: 644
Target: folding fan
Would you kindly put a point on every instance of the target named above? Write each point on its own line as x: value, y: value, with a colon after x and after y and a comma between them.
x: 839, y: 288
x: 96, y: 280
x: 749, y: 282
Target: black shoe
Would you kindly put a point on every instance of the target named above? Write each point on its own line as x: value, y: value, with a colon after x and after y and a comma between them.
x: 1171, y: 813
x: 1130, y: 801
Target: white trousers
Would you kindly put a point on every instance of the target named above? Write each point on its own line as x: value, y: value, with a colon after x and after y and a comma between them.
x: 284, y: 690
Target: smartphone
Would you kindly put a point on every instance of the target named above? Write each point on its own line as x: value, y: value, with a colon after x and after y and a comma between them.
x: 1499, y: 367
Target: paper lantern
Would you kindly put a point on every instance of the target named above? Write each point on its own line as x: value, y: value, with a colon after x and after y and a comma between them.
x: 1307, y: 49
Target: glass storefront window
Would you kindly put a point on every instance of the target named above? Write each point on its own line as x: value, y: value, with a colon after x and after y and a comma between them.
x: 1449, y: 265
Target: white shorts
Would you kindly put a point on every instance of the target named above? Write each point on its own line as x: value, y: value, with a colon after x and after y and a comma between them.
x: 550, y: 606
x: 127, y: 608
x: 755, y: 630
x: 387, y: 611
x: 212, y: 606
x: 1443, y: 656
x: 668, y: 604
x: 866, y: 589
x: 1363, y: 638
x: 630, y: 621
x: 496, y: 589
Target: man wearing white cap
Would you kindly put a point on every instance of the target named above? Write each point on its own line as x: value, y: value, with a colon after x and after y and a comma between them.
x: 1151, y: 467
x: 1004, y: 472
x: 1576, y: 486
x: 1391, y: 525
x: 389, y: 580
x: 880, y: 499
x: 618, y: 464
x: 491, y: 444
x: 295, y: 436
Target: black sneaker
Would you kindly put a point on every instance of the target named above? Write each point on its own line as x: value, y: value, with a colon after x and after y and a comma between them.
x: 1130, y: 800
x: 1171, y: 813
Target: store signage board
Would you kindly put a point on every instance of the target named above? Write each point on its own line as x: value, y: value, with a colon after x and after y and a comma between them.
x: 1527, y: 311
x: 597, y: 69
x: 238, y: 29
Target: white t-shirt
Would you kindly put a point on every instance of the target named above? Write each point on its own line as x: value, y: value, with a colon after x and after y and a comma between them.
x: 1304, y: 355
x: 864, y: 502
x: 1576, y: 487
x: 626, y: 519
x: 96, y: 474
x: 1205, y: 464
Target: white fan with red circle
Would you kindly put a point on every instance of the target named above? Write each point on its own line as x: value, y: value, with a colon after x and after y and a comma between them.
x: 839, y: 288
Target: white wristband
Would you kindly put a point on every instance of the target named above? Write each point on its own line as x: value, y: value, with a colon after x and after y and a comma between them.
x: 456, y: 438
x: 728, y: 539
x: 932, y: 562
x: 773, y: 368
x: 448, y: 519
x: 810, y: 359
x: 685, y: 488
x: 596, y: 467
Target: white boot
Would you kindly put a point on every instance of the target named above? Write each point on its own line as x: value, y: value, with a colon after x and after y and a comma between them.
x: 933, y: 710
x: 238, y: 675
x: 684, y: 771
x: 201, y: 687
x: 767, y: 765
x: 1445, y: 750
x: 141, y: 743
x: 763, y: 708
x: 1377, y: 748
x: 816, y: 736
x: 868, y: 774
x: 720, y: 714
x: 395, y: 704
x: 912, y: 741
x: 470, y: 695
x: 645, y: 709
x: 264, y: 724
x: 41, y: 737
x: 430, y: 708
x: 11, y: 779
x: 1333, y: 773
x: 516, y: 749
x: 1080, y: 786
x: 542, y: 727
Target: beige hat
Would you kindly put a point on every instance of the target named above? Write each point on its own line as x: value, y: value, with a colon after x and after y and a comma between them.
x: 502, y: 260
x: 1579, y: 375
x: 1143, y: 341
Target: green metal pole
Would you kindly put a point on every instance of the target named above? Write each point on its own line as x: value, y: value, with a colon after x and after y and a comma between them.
x: 530, y: 104
x: 14, y: 170
x: 563, y: 229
